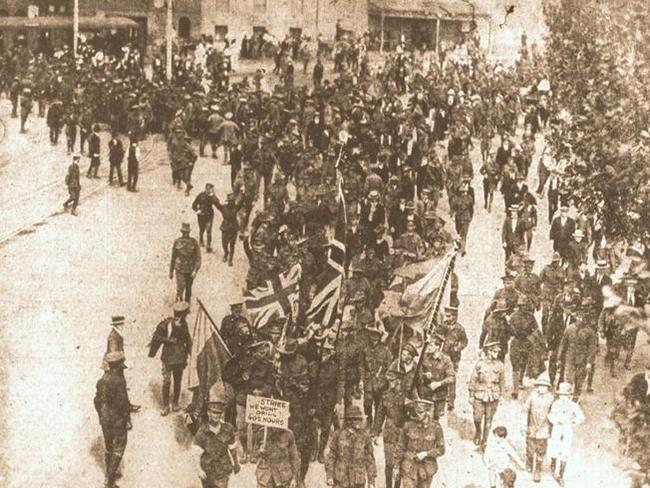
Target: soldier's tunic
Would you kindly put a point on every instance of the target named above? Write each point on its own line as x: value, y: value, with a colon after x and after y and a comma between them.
x: 523, y: 324
x: 418, y: 437
x: 324, y: 375
x: 441, y: 370
x: 486, y: 386
x: 455, y: 343
x: 377, y: 361
x: 530, y: 285
x: 280, y: 462
x: 186, y: 259
x: 216, y: 462
x: 577, y: 350
x: 350, y: 462
x: 114, y: 410
x: 551, y: 279
x: 496, y: 329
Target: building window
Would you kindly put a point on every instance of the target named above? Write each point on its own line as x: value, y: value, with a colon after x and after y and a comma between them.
x: 220, y: 32
x: 222, y: 5
x: 259, y: 5
x: 184, y: 27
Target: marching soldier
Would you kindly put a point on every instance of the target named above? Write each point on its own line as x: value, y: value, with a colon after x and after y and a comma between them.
x: 279, y: 461
x: 523, y: 324
x: 536, y: 426
x: 292, y: 365
x: 455, y: 343
x: 214, y: 445
x: 229, y: 227
x: 577, y: 353
x: 463, y: 209
x: 400, y: 379
x: 377, y: 360
x: 174, y: 337
x: 186, y: 262
x: 420, y: 444
x: 301, y: 417
x: 497, y: 329
x: 114, y: 410
x: 551, y: 279
x: 529, y: 283
x: 487, y: 385
x: 410, y: 246
x: 202, y: 205
x: 350, y: 462
x: 436, y: 374
x: 236, y: 330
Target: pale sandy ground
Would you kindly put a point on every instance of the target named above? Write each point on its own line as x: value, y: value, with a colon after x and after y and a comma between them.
x: 61, y: 281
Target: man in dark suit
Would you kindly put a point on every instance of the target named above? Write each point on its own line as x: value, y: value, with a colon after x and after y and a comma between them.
x: 512, y: 233
x: 632, y: 296
x: 553, y: 195
x: 562, y: 229
x: 637, y: 391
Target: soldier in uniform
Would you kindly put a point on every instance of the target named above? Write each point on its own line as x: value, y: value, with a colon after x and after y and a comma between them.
x: 436, y: 374
x: 236, y: 330
x: 114, y: 410
x: 323, y: 389
x: 496, y: 328
x: 350, y: 462
x: 487, y: 385
x: 350, y: 356
x: 202, y: 205
x: 508, y: 293
x: 400, y: 379
x: 185, y: 261
x: 279, y: 461
x: 611, y: 329
x: 26, y: 104
x: 174, y: 337
x: 377, y: 360
x: 421, y: 443
x: 463, y: 209
x: 523, y: 324
x: 410, y: 246
x: 551, y: 279
x: 562, y: 316
x: 291, y: 365
x: 535, y: 425
x: 214, y: 445
x: 577, y: 353
x: 455, y: 343
x: 529, y: 283
x: 229, y: 227
x: 301, y: 419
x: 74, y: 186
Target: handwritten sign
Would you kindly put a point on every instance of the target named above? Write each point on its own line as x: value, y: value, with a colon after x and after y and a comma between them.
x: 267, y: 411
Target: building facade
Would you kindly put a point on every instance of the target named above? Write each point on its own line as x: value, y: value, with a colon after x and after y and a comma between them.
x: 239, y: 18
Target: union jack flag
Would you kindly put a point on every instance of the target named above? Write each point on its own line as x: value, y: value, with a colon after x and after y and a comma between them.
x: 324, y: 306
x: 278, y: 298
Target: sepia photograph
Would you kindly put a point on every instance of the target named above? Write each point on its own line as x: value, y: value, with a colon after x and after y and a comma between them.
x: 325, y: 243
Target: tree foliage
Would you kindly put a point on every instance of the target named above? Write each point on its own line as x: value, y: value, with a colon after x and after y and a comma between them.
x: 597, y: 56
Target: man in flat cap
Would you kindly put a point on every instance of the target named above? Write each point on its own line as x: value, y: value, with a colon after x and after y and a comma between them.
x: 174, y: 337
x: 114, y: 410
x: 185, y: 262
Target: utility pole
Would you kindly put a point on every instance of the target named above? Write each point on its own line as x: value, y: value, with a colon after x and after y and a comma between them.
x: 169, y: 31
x: 317, y: 18
x: 75, y: 28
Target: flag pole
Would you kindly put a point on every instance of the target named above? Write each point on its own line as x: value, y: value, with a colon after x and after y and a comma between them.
x: 432, y: 321
x: 214, y: 326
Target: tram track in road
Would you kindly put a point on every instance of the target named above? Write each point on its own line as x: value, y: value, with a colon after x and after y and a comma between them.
x: 146, y: 166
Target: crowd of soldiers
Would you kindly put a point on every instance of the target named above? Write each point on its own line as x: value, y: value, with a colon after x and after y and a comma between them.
x: 392, y: 144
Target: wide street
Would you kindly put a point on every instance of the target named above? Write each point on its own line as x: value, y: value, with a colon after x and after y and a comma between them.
x: 62, y: 277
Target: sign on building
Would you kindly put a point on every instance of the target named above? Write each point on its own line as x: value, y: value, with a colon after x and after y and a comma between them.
x: 268, y: 412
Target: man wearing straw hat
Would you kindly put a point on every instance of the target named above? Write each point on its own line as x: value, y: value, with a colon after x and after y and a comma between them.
x: 486, y: 387
x: 214, y: 445
x: 536, y: 426
x: 565, y: 414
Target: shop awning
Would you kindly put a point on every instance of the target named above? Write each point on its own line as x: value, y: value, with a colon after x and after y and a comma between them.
x: 425, y: 9
x: 85, y: 23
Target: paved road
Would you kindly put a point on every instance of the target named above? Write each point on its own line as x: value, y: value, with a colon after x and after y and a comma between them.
x: 63, y: 279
